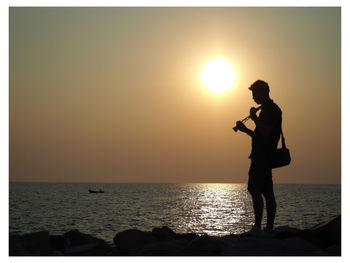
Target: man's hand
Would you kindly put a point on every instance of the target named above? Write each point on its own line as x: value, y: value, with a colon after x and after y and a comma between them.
x: 240, y: 126
x: 253, y: 113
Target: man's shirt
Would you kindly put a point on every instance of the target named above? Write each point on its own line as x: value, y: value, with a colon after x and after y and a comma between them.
x: 270, y: 115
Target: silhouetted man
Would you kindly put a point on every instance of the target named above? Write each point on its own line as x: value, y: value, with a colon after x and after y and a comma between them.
x: 265, y: 138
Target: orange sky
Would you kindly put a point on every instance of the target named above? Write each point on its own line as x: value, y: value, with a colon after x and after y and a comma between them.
x: 114, y: 94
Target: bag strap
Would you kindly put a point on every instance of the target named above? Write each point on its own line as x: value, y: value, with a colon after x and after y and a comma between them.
x: 283, y: 142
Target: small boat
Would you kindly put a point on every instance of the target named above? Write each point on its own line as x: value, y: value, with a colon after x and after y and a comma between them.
x: 96, y: 192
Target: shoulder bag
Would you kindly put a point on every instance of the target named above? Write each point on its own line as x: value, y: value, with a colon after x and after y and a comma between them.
x: 280, y: 157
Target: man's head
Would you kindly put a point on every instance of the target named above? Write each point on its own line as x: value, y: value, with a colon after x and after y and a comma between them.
x: 260, y: 91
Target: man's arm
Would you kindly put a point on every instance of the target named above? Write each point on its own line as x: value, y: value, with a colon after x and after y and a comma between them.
x: 241, y: 127
x: 249, y: 132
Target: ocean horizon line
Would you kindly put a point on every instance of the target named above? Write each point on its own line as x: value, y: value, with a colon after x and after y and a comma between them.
x: 65, y: 182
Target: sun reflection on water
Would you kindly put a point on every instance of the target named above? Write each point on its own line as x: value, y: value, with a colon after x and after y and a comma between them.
x: 216, y: 208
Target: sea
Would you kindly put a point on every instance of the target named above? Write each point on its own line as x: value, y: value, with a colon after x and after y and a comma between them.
x: 214, y: 209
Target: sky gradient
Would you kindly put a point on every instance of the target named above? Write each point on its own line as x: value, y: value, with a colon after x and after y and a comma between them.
x: 114, y: 94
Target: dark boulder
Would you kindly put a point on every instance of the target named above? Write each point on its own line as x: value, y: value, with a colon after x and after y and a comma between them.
x: 323, y: 239
x: 283, y: 232
x: 79, y: 244
x: 187, y: 236
x: 268, y: 246
x: 128, y: 241
x: 206, y: 246
x: 33, y: 244
x: 314, y: 238
x: 330, y: 230
x: 163, y: 248
x: 295, y: 246
x: 164, y: 233
x: 325, y: 235
x: 57, y: 243
x: 160, y: 241
x: 334, y: 250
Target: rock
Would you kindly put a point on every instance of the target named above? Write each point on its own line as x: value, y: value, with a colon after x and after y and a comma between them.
x: 330, y: 230
x: 260, y: 246
x: 334, y: 250
x: 163, y: 248
x: 244, y: 246
x: 206, y: 246
x: 285, y: 232
x: 324, y: 235
x: 296, y: 246
x: 163, y: 233
x: 16, y: 248
x: 314, y: 238
x: 128, y: 241
x: 79, y: 244
x: 323, y: 239
x: 320, y: 252
x: 57, y: 253
x: 33, y: 244
x: 161, y: 241
x: 187, y: 236
x: 57, y: 242
x: 253, y: 246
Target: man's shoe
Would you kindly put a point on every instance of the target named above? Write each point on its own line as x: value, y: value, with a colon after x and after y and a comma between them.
x: 255, y: 231
x: 268, y: 232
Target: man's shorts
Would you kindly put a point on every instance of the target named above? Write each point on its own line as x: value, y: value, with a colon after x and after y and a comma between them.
x: 260, y: 176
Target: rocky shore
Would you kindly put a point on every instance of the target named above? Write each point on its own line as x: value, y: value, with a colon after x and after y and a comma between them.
x: 321, y: 240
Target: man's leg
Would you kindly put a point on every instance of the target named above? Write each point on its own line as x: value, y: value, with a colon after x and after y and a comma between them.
x: 270, y: 201
x: 270, y: 208
x: 258, y: 206
x: 255, y: 186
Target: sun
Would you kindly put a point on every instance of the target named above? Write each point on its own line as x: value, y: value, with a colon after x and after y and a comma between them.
x: 218, y: 75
